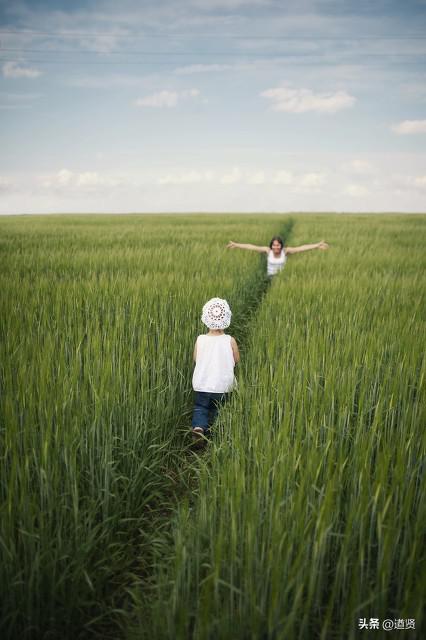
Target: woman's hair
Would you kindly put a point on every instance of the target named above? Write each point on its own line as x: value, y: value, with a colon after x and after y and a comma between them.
x: 277, y: 239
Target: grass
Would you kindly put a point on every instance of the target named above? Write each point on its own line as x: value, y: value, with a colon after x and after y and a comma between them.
x: 98, y: 320
x: 303, y: 515
x: 308, y: 513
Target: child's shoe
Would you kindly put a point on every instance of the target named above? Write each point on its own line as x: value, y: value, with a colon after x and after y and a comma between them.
x: 198, y: 436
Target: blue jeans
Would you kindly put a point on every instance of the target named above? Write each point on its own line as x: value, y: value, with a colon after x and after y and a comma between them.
x: 206, y: 406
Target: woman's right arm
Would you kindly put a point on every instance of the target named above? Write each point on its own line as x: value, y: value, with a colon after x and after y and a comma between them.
x: 250, y: 247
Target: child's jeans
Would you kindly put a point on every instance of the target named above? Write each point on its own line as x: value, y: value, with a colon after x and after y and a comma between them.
x: 206, y: 406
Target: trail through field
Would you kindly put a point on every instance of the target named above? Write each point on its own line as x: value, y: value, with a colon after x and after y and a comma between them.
x: 186, y: 474
x: 97, y: 326
x: 182, y: 461
x: 303, y: 513
x: 306, y: 516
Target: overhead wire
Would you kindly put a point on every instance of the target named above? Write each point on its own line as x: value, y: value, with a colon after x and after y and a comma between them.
x: 81, y: 56
x: 166, y: 53
x: 234, y: 36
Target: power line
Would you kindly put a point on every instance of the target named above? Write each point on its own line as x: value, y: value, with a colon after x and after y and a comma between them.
x: 185, y: 53
x: 229, y: 54
x: 74, y: 34
x: 316, y: 61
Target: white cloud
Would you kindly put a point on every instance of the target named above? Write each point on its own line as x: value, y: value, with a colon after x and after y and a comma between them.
x: 412, y: 181
x: 298, y: 186
x: 283, y: 177
x: 191, y: 93
x: 410, y: 127
x: 6, y: 184
x: 202, y: 68
x: 86, y: 181
x: 159, y: 100
x: 167, y: 99
x: 361, y: 167
x: 303, y: 100
x: 420, y: 181
x: 15, y: 70
x: 312, y: 180
x: 356, y: 191
x: 298, y: 183
x: 233, y: 177
x: 185, y: 177
x: 89, y: 179
x: 256, y: 178
x: 301, y: 182
x: 63, y: 177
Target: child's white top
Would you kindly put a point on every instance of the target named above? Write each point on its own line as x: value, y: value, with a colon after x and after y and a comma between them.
x: 276, y: 264
x: 214, y: 367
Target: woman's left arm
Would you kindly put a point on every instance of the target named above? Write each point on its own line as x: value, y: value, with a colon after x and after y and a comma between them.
x: 306, y: 247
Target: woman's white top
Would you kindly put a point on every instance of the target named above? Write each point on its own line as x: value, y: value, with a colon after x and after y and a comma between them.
x: 214, y: 367
x: 276, y: 264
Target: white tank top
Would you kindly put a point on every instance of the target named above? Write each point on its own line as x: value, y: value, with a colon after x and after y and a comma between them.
x: 276, y: 264
x: 214, y: 367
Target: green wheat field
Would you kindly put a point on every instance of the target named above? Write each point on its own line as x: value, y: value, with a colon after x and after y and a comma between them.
x: 304, y: 516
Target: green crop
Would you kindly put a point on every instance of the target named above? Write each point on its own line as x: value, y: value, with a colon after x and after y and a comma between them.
x: 99, y: 315
x: 308, y: 510
x: 303, y: 514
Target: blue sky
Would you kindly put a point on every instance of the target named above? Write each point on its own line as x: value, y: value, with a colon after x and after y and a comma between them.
x: 212, y: 105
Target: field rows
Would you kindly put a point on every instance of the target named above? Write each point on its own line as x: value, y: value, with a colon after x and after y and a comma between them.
x: 98, y: 321
x: 309, y: 511
x: 305, y: 512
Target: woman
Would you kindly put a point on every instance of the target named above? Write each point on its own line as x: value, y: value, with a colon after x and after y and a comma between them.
x: 277, y: 253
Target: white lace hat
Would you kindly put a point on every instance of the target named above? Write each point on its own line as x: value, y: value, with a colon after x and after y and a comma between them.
x: 216, y: 314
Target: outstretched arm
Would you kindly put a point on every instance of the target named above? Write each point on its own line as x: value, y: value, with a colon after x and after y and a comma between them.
x: 250, y: 247
x: 306, y: 247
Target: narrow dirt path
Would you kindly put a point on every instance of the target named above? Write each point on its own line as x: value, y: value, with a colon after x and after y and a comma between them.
x: 181, y: 463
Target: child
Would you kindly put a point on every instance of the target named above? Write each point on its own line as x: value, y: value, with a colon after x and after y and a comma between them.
x: 215, y: 355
